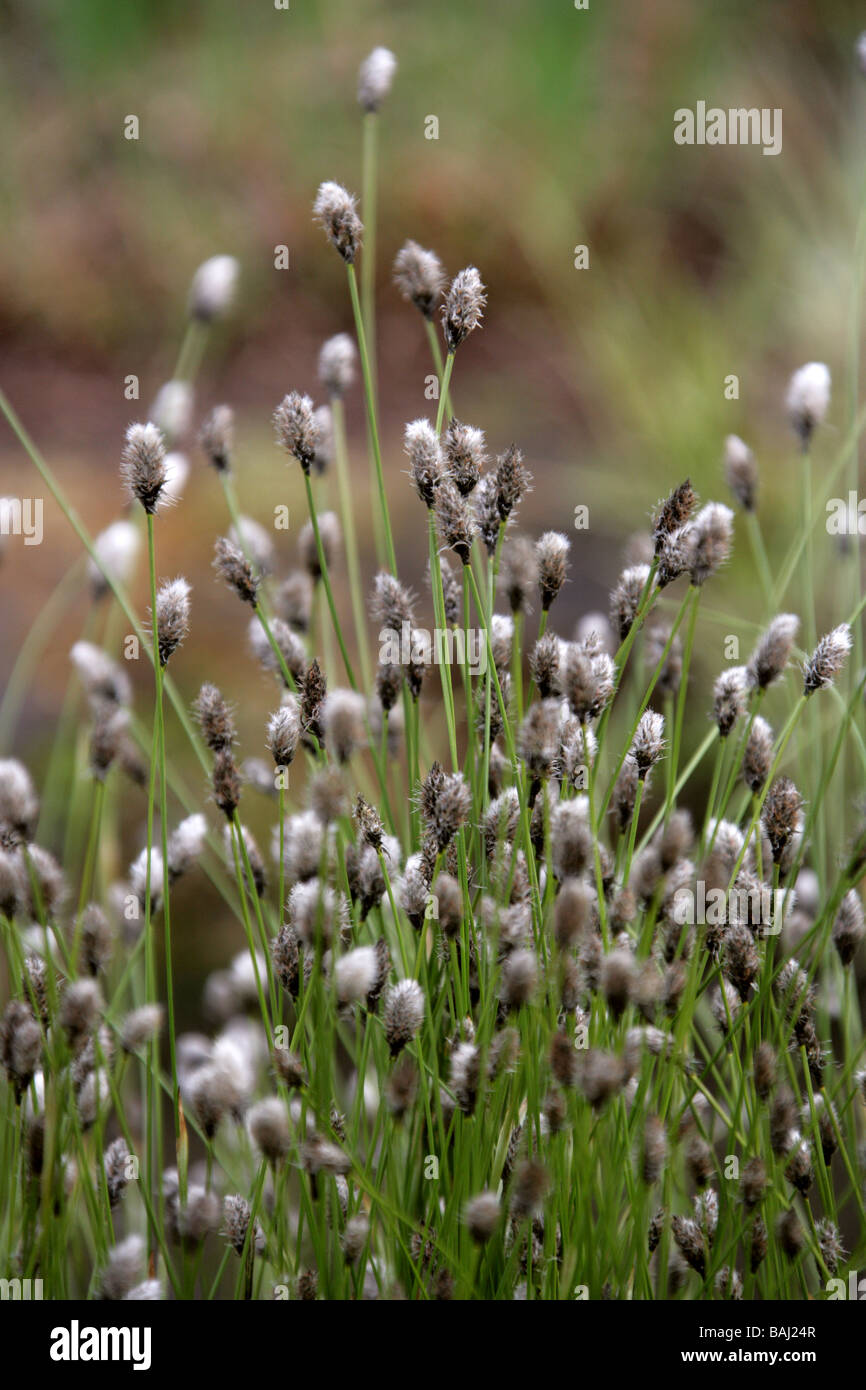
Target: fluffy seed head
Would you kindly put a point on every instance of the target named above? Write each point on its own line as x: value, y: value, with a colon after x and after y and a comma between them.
x: 216, y: 437
x: 808, y: 399
x: 172, y: 617
x: 511, y: 481
x: 729, y: 698
x: 673, y: 513
x: 481, y: 1215
x: 455, y: 521
x: 741, y: 472
x: 465, y: 455
x: 141, y: 1026
x: 284, y: 730
x: 827, y: 659
x: 625, y: 598
x: 426, y: 463
x: 269, y: 1127
x: 758, y: 757
x: 848, y: 927
x: 648, y: 743
x: 770, y: 657
x: 234, y: 569
x: 116, y: 550
x: 142, y: 465
x: 214, y: 718
x: 343, y: 722
x: 296, y: 428
x: 403, y: 1014
x: 709, y: 541
x: 463, y: 307
x: 375, y: 76
x: 335, y: 209
x: 355, y: 974
x: 213, y: 288
x: 419, y: 276
x: 551, y: 553
x: 337, y: 360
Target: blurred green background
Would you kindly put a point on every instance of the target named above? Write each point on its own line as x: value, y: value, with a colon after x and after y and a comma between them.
x: 555, y: 129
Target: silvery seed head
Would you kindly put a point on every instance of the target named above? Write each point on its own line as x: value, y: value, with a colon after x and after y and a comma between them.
x: 375, y: 76
x: 284, y: 731
x: 770, y: 657
x: 551, y: 552
x: 758, y: 755
x: 171, y: 412
x: 481, y: 1215
x: 827, y: 659
x: 335, y: 208
x: 729, y: 698
x: 141, y: 1026
x: 465, y: 455
x: 426, y: 463
x: 625, y: 598
x: 216, y: 437
x: 268, y: 1124
x: 172, y: 616
x: 355, y: 974
x: 741, y: 472
x: 213, y: 288
x: 709, y: 541
x: 455, y: 520
x: 296, y: 428
x: 142, y: 465
x: 808, y: 399
x: 116, y: 550
x: 337, y: 361
x: 419, y: 276
x: 463, y: 307
x: 234, y: 569
x: 403, y: 1014
x: 648, y: 743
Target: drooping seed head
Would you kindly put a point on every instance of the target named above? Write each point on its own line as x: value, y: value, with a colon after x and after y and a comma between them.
x: 142, y: 465
x: 336, y: 209
x: 463, y: 307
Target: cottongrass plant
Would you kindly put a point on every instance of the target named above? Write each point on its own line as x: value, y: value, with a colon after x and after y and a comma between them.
x: 537, y: 999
